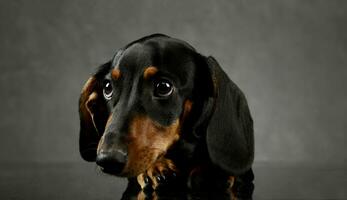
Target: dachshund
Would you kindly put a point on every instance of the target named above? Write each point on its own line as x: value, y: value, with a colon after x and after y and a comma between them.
x: 159, y: 112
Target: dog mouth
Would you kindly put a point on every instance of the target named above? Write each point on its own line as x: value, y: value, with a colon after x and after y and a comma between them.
x: 114, y: 168
x: 111, y: 171
x: 122, y: 172
x: 126, y: 171
x: 118, y: 173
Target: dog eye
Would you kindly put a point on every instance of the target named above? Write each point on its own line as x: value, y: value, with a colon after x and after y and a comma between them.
x: 107, y: 90
x: 163, y: 88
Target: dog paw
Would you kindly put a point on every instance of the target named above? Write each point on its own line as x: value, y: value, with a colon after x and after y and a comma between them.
x: 161, y: 175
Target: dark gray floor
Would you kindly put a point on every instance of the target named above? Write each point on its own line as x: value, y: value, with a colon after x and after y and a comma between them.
x: 57, y: 181
x: 84, y: 181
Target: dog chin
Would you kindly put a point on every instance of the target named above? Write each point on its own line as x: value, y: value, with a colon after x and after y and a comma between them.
x: 111, y: 171
x: 124, y: 174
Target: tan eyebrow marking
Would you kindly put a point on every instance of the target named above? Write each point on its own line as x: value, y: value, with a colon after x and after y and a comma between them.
x: 149, y: 72
x: 115, y: 74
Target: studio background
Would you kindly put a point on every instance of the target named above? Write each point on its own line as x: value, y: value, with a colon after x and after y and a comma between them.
x: 288, y: 57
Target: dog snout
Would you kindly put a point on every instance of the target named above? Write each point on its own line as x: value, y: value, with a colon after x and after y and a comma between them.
x: 111, y: 162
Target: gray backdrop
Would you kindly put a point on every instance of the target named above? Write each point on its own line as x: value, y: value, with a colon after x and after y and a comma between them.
x: 289, y: 57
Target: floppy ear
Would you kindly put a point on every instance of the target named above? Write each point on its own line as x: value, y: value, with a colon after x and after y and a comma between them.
x: 229, y: 139
x: 93, y: 116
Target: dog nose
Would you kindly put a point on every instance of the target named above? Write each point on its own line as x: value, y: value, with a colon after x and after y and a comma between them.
x: 111, y: 162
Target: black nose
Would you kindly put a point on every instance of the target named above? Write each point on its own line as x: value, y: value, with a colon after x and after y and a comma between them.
x: 111, y: 162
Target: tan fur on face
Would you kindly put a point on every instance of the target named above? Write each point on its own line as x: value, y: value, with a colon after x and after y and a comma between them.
x: 186, y: 109
x: 148, y: 141
x: 101, y: 141
x: 115, y: 74
x: 149, y: 72
x: 108, y: 122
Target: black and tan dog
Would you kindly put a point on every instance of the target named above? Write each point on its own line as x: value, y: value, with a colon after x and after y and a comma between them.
x: 159, y: 112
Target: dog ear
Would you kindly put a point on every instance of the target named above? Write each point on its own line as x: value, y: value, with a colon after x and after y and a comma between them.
x: 93, y: 114
x: 229, y: 139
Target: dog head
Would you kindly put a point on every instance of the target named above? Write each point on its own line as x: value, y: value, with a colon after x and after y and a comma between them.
x: 154, y: 90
